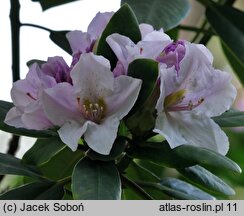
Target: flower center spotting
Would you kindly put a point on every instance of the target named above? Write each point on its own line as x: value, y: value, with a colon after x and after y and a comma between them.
x: 175, y: 102
x: 93, y: 111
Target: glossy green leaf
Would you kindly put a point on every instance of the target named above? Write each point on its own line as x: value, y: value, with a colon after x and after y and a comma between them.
x: 235, y: 62
x: 182, y: 156
x: 35, y: 191
x: 117, y: 149
x: 181, y: 190
x: 95, y: 180
x: 46, y: 4
x: 147, y: 71
x: 43, y: 150
x: 59, y: 38
x: 206, y: 157
x: 230, y: 118
x: 206, y: 179
x: 141, y: 117
x: 141, y: 170
x: 13, y: 166
x: 4, y: 108
x: 226, y: 21
x: 31, y: 62
x: 61, y: 165
x: 122, y: 22
x: 159, y: 13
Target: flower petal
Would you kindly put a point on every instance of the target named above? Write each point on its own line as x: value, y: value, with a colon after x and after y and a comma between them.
x: 201, y: 82
x: 126, y: 90
x: 145, y: 29
x: 92, y: 77
x: 35, y: 118
x: 60, y: 104
x: 206, y: 52
x: 100, y: 137
x: 98, y: 24
x: 71, y: 132
x: 158, y: 36
x: 79, y: 41
x: 181, y: 128
x: 57, y: 68
x: 13, y: 118
x: 120, y: 44
x: 219, y: 96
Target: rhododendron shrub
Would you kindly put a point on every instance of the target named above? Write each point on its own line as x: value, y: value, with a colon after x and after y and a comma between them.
x: 132, y: 101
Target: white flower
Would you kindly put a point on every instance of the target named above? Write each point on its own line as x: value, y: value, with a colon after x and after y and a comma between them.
x: 93, y: 106
x: 189, y: 96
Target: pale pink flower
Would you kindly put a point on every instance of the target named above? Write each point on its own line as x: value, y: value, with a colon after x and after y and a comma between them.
x: 93, y: 106
x: 83, y: 42
x: 151, y: 46
x: 28, y: 110
x: 191, y: 92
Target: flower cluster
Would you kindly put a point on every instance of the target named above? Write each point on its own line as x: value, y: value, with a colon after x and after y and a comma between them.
x: 88, y: 98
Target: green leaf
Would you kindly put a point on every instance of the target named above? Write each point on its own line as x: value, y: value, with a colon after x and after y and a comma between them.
x: 235, y: 62
x: 181, y: 190
x: 141, y: 117
x: 92, y: 180
x: 31, y: 62
x: 225, y: 20
x: 182, y: 156
x: 59, y: 38
x: 122, y: 22
x: 61, y: 165
x: 4, y: 108
x: 206, y: 179
x: 230, y: 118
x: 12, y: 165
x: 159, y: 13
x: 147, y: 71
x: 46, y: 4
x: 43, y: 150
x: 206, y: 157
x: 35, y: 191
x: 117, y: 149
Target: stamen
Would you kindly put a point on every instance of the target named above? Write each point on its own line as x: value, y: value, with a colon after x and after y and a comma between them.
x: 92, y: 111
x: 190, y: 106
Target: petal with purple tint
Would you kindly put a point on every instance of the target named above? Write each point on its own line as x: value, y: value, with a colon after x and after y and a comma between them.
x: 35, y: 118
x: 57, y: 68
x: 100, y: 137
x: 98, y: 24
x: 145, y: 29
x: 71, y: 132
x: 120, y: 45
x: 92, y: 77
x: 173, y: 54
x: 181, y: 128
x: 60, y: 104
x: 126, y: 90
x: 13, y: 118
x: 79, y: 41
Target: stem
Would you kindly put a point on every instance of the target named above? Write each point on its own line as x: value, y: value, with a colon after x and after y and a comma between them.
x: 64, y: 180
x: 15, y: 39
x: 206, y: 3
x: 36, y: 26
x: 15, y: 33
x: 148, y: 171
x: 199, y: 32
x: 195, y: 29
x: 136, y: 188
